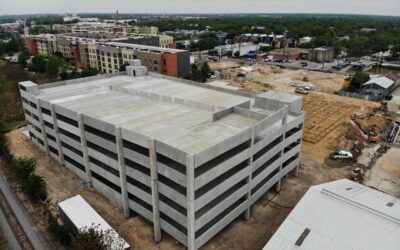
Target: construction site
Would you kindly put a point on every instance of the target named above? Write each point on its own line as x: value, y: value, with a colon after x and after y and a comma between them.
x: 331, y: 123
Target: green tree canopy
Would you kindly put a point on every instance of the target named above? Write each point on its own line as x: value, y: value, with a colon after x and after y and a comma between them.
x: 35, y: 188
x: 205, y: 71
x: 23, y: 57
x: 53, y: 66
x: 358, y: 79
x: 23, y: 167
x: 38, y: 64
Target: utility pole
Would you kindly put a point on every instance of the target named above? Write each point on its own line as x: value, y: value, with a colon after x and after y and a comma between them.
x: 208, y: 40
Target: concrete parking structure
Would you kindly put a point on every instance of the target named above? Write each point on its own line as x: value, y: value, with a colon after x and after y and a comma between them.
x: 186, y: 156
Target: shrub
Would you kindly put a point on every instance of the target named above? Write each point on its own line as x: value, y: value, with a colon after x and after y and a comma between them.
x: 35, y: 188
x: 59, y: 232
x: 94, y: 238
x: 23, y: 167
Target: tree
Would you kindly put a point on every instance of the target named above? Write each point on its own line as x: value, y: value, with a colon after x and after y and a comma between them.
x: 396, y: 51
x: 15, y: 44
x: 38, y: 64
x: 194, y: 72
x: 23, y: 167
x: 358, y: 79
x: 94, y: 238
x: 35, y: 188
x: 23, y: 57
x: 205, y: 71
x: 58, y: 54
x: 64, y: 74
x: 53, y: 66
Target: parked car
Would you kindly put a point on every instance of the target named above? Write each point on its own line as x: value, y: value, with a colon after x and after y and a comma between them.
x: 341, y: 154
x: 301, y: 90
x: 303, y: 64
x: 308, y: 88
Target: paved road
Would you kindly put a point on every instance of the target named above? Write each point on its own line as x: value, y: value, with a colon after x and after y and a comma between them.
x: 34, y: 236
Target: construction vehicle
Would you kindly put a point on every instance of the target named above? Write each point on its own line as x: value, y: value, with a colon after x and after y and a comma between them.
x: 372, y: 135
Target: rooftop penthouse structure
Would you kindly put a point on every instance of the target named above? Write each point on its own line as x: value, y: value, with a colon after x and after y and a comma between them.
x: 188, y: 157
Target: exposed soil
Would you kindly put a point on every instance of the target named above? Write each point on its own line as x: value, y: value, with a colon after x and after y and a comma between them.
x: 264, y: 77
x: 253, y: 234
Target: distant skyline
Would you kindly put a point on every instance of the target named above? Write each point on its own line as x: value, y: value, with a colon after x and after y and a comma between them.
x: 382, y: 7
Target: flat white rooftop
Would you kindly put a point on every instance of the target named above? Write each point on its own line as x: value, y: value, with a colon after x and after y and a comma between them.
x: 341, y: 215
x: 82, y: 215
x: 128, y: 102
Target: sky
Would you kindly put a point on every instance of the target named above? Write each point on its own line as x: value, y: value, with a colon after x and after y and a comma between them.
x: 373, y: 7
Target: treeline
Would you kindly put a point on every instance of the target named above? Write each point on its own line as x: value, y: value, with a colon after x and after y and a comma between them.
x: 12, y: 45
x: 53, y: 66
x: 327, y: 30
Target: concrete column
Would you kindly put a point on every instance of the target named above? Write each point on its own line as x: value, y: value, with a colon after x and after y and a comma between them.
x: 190, y: 202
x: 57, y: 134
x: 84, y: 149
x: 296, y: 170
x: 154, y: 190
x: 44, y: 134
x: 121, y: 168
x: 248, y: 196
x: 284, y: 125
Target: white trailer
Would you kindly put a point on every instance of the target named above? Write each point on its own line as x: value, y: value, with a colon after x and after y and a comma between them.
x: 77, y: 215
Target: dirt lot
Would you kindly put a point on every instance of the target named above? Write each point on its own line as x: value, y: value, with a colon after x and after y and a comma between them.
x: 266, y: 217
x: 265, y: 77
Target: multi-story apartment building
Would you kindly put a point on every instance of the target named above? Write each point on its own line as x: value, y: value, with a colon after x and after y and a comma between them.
x: 165, y: 41
x: 143, y: 30
x: 109, y: 57
x: 188, y: 157
x: 45, y: 44
x: 172, y: 62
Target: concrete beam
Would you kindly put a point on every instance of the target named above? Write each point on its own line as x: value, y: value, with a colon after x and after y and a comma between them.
x: 57, y: 134
x: 122, y: 175
x: 154, y: 189
x: 190, y: 202
x: 84, y: 149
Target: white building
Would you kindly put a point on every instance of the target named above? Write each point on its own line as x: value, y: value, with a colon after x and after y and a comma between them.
x: 341, y: 215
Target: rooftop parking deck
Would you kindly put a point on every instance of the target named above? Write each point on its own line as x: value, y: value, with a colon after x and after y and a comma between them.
x: 135, y: 103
